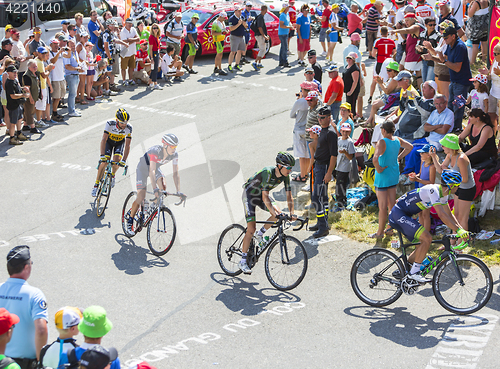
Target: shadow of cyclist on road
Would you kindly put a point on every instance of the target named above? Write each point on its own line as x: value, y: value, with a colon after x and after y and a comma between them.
x: 244, y: 297
x: 133, y: 259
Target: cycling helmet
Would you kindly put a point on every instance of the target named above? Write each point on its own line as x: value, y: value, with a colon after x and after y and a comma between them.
x: 285, y: 159
x: 170, y: 139
x: 122, y: 115
x: 451, y: 178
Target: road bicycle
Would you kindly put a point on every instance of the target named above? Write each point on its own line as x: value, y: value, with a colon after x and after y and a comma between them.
x: 157, y: 217
x: 286, y: 259
x: 462, y: 283
x: 104, y: 189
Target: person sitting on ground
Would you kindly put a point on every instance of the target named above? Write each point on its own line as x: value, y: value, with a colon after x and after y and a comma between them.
x: 171, y: 65
x: 440, y: 122
x: 66, y: 320
x: 143, y: 64
x: 481, y: 136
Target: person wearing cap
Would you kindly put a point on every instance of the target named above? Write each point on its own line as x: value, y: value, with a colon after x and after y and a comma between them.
x: 29, y: 304
x: 218, y: 30
x: 353, y: 47
x: 237, y: 27
x: 355, y: 21
x: 407, y: 91
x: 325, y: 17
x: 478, y: 97
x: 440, y: 122
x: 445, y: 13
x: 260, y: 31
x: 325, y: 161
x: 345, y: 117
x: 372, y: 24
x: 283, y: 32
x: 303, y: 26
x: 346, y: 152
x: 456, y: 160
x: 318, y: 70
x: 309, y: 74
x: 64, y: 26
x: 110, y: 40
x: 382, y: 49
x: 8, y: 31
x: 333, y: 32
x: 247, y: 16
x: 191, y: 40
x: 19, y: 53
x: 352, y: 79
x: 16, y: 96
x: 174, y: 32
x: 129, y: 35
x: 6, y: 48
x: 143, y: 33
x: 7, y: 324
x: 334, y: 92
x: 94, y: 326
x: 481, y: 134
x: 66, y: 321
x: 98, y: 357
x: 143, y: 64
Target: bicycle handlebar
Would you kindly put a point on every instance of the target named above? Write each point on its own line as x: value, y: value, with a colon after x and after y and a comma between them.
x: 180, y: 195
x: 285, y: 217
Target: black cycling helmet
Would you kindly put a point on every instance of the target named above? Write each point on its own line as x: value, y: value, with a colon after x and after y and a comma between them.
x: 122, y: 115
x: 451, y: 177
x: 170, y: 139
x: 285, y: 159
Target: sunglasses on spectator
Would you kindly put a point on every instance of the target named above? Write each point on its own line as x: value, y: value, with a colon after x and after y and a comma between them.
x: 496, y: 54
x: 323, y: 116
x: 310, y: 57
x: 37, y: 32
x: 309, y: 72
x: 389, y: 70
x: 432, y: 24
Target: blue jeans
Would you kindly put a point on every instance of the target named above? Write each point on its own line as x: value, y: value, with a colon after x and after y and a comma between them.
x: 427, y: 71
x: 283, y: 58
x: 72, y: 82
x: 319, y: 196
x: 335, y: 107
x: 455, y: 90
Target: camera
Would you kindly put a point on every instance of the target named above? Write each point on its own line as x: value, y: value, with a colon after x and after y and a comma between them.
x: 66, y: 48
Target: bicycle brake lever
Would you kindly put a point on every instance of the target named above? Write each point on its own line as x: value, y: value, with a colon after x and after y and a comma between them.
x: 302, y: 222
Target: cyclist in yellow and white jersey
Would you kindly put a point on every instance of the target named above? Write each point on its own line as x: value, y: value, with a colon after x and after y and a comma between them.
x: 115, y: 140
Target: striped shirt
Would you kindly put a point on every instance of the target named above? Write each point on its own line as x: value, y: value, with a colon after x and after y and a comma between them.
x: 373, y: 17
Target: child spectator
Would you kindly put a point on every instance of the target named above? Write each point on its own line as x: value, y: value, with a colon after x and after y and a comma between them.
x: 346, y: 153
x: 98, y: 357
x: 171, y: 65
x: 67, y: 320
x: 426, y: 176
x: 478, y: 97
x: 7, y: 323
x: 91, y: 63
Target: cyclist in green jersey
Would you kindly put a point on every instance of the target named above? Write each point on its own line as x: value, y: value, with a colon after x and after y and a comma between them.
x: 256, y: 194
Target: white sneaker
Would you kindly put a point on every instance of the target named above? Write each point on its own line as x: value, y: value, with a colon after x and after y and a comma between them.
x: 75, y: 114
x: 41, y: 124
x: 419, y: 278
x: 112, y: 93
x: 306, y: 188
x: 94, y: 190
x: 158, y: 87
x: 151, y: 85
x: 244, y: 268
x: 131, y: 82
x: 125, y: 83
x: 106, y: 92
x: 324, y: 53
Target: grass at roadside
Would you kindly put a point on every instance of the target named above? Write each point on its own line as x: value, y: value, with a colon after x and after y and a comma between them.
x: 358, y: 225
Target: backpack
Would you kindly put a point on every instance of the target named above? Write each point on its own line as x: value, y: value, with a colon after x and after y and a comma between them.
x: 100, y: 40
x: 5, y: 362
x: 44, y: 349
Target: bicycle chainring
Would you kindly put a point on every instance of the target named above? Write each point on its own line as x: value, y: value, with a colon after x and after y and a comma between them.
x: 408, y: 286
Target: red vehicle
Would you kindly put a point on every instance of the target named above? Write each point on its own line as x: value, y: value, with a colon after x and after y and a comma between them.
x: 209, y: 14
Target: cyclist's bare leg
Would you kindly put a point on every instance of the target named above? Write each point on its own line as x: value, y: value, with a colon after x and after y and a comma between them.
x: 116, y: 159
x: 418, y: 255
x: 248, y: 236
x: 141, y: 194
x: 100, y: 171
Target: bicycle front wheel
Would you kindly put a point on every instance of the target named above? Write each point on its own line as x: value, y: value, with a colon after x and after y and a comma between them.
x: 475, y: 291
x: 286, y: 263
x: 161, y: 231
x: 228, y: 247
x: 103, y: 193
x: 127, y: 206
x: 373, y: 277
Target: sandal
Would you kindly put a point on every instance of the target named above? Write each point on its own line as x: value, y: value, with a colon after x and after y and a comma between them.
x: 375, y: 235
x: 299, y: 178
x: 83, y: 102
x: 389, y: 231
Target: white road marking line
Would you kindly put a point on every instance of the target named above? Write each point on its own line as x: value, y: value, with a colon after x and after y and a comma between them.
x: 192, y: 93
x: 322, y: 240
x: 73, y: 135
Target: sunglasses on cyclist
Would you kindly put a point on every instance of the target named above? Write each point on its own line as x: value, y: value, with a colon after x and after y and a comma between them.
x: 288, y: 168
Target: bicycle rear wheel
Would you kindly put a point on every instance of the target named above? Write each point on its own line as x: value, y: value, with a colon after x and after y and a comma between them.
x: 230, y: 242
x: 286, y: 263
x: 161, y: 231
x: 473, y: 295
x: 127, y: 205
x: 372, y: 280
x: 103, y: 193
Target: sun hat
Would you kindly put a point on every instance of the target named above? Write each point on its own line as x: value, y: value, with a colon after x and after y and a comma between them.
x: 311, y: 95
x: 393, y: 65
x: 450, y: 141
x: 402, y: 74
x: 345, y: 127
x: 355, y: 36
x: 352, y: 55
x: 481, y: 78
x: 425, y: 148
x: 195, y: 15
x: 345, y: 105
x: 332, y: 68
x: 308, y: 85
x: 95, y: 324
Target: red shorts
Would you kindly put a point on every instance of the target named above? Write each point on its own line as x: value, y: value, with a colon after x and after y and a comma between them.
x: 303, y: 46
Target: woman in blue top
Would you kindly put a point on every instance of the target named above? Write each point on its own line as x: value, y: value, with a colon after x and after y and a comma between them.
x: 386, y: 162
x: 283, y: 31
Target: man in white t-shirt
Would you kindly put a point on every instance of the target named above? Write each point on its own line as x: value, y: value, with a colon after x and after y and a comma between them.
x: 174, y: 33
x: 19, y: 53
x: 57, y: 76
x: 130, y: 36
x: 171, y: 65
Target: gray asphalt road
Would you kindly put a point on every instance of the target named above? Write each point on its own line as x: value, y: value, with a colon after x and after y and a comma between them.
x: 181, y: 311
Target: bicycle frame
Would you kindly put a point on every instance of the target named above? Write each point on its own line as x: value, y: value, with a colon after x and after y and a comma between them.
x: 154, y: 209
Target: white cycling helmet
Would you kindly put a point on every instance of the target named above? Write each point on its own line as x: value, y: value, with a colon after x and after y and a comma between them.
x: 170, y: 139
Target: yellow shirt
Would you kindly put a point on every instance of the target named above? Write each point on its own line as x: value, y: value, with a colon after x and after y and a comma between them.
x: 410, y: 96
x: 41, y: 69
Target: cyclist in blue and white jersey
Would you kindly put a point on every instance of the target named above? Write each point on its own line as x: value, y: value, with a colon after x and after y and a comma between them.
x: 412, y: 203
x: 149, y: 167
x: 115, y: 142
